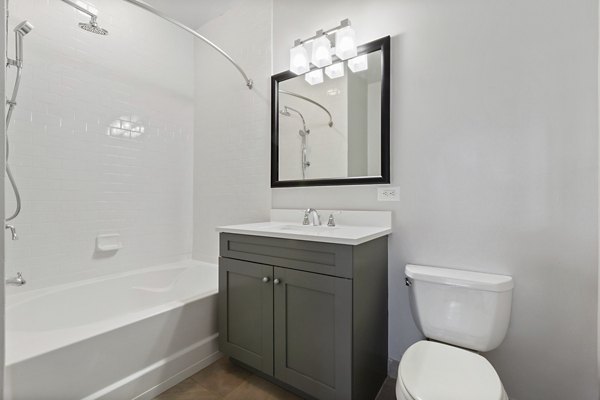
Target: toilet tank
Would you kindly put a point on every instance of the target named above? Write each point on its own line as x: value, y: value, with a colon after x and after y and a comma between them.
x: 462, y: 308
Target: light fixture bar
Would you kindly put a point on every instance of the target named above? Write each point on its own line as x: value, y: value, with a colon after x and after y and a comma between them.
x: 344, y: 23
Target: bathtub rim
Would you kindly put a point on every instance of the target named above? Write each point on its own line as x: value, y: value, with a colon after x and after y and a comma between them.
x: 15, y: 299
x: 85, y: 332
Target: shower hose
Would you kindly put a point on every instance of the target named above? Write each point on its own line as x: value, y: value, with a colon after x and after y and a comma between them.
x: 11, y: 106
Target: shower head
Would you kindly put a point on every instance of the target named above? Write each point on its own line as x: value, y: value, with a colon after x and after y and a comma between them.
x: 90, y: 11
x: 285, y: 112
x: 93, y: 27
x: 23, y: 28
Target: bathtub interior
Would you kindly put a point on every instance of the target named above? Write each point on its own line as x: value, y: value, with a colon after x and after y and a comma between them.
x: 41, y: 321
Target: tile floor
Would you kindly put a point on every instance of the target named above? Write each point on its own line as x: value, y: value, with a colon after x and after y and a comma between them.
x: 226, y: 381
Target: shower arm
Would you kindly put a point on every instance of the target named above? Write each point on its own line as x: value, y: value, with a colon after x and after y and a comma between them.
x: 286, y: 108
x: 149, y: 8
x: 330, y: 123
x: 81, y: 9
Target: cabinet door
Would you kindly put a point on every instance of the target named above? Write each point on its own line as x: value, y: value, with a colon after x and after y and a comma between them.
x: 313, y: 327
x: 246, y: 312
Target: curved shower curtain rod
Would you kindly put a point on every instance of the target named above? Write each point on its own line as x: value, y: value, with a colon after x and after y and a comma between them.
x: 186, y: 28
x: 330, y: 123
x: 149, y: 8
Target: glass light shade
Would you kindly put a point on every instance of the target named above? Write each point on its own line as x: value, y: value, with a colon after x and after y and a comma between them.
x: 357, y: 64
x: 315, y: 77
x: 299, y: 60
x: 335, y: 70
x: 321, y: 52
x: 345, y: 43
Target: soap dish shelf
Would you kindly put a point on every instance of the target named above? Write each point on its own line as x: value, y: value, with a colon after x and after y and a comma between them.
x: 109, y: 242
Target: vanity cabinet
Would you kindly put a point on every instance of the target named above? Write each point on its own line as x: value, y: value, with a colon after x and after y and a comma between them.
x: 310, y: 316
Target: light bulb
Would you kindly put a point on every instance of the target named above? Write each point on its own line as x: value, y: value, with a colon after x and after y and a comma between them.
x: 299, y: 60
x: 321, y: 52
x: 314, y: 77
x: 335, y: 70
x: 357, y: 64
x: 345, y: 40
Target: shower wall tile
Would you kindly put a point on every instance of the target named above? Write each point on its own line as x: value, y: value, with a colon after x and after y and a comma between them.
x: 76, y: 181
x: 232, y: 125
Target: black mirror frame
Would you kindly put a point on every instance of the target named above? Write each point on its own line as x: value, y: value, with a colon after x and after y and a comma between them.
x: 382, y: 44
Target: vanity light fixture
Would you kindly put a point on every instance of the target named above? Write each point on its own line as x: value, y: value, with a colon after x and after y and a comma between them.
x: 314, y: 77
x: 340, y: 41
x: 360, y: 63
x: 335, y: 70
x: 321, y: 52
x: 299, y: 63
x: 345, y: 40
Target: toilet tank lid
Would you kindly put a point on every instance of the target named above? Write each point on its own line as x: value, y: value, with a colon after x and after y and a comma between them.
x: 462, y: 278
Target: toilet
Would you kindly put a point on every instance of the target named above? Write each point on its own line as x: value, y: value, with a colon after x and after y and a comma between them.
x: 461, y: 313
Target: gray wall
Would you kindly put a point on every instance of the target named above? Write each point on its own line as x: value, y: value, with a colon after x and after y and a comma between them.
x: 494, y: 148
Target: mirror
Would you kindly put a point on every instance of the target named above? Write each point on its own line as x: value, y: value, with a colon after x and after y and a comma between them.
x: 336, y: 132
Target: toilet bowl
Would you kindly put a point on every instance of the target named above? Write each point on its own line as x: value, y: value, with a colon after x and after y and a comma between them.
x: 462, y: 312
x: 435, y: 371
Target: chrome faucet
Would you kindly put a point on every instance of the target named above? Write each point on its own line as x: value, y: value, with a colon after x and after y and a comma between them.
x: 313, y: 214
x: 13, y: 232
x: 18, y: 281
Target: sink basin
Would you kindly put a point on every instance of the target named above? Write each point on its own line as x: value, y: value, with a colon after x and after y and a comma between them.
x: 308, y: 228
x: 352, y: 227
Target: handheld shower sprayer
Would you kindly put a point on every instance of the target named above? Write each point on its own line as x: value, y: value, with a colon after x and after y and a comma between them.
x: 20, y: 30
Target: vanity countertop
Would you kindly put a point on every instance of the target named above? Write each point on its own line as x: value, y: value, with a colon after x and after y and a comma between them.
x: 352, y: 227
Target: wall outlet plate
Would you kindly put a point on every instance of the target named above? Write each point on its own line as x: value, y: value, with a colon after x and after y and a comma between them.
x: 388, y: 194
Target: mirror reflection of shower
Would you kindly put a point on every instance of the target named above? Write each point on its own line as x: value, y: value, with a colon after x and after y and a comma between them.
x: 299, y: 96
x: 304, y: 132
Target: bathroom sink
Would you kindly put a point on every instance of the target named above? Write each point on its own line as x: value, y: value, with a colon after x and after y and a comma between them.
x: 352, y: 227
x: 308, y: 228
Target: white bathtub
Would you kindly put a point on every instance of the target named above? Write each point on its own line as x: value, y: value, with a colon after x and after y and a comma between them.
x: 124, y: 336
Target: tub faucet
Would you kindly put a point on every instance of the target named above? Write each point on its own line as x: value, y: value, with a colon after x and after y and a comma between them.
x: 311, y: 214
x: 13, y: 232
x: 17, y: 281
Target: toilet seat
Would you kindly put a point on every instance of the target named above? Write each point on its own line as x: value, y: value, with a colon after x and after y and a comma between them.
x: 435, y: 371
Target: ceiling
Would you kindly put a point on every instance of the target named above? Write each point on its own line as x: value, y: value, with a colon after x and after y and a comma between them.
x: 193, y: 13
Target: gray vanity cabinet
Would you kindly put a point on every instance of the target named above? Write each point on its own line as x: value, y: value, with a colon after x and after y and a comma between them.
x: 313, y: 325
x: 246, y: 314
x: 310, y: 316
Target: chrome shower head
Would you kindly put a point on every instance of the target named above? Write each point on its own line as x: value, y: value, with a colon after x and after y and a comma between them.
x: 90, y: 11
x: 285, y: 112
x: 93, y: 27
x: 23, y: 28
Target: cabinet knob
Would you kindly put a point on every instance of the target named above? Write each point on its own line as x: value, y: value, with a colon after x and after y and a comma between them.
x: 266, y: 279
x: 276, y: 281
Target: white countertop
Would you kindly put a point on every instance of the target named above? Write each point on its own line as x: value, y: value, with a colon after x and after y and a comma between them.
x: 352, y: 227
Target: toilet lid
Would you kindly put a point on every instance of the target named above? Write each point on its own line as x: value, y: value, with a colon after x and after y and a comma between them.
x: 436, y: 371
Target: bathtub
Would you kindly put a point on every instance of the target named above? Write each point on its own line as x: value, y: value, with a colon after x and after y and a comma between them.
x: 125, y: 336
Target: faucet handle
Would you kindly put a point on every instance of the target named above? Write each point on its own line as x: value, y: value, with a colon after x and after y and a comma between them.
x: 331, y: 221
x: 306, y: 221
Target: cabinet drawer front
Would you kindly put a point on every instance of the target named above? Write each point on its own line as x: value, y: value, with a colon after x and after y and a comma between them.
x: 322, y: 258
x: 246, y: 313
x: 313, y: 333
